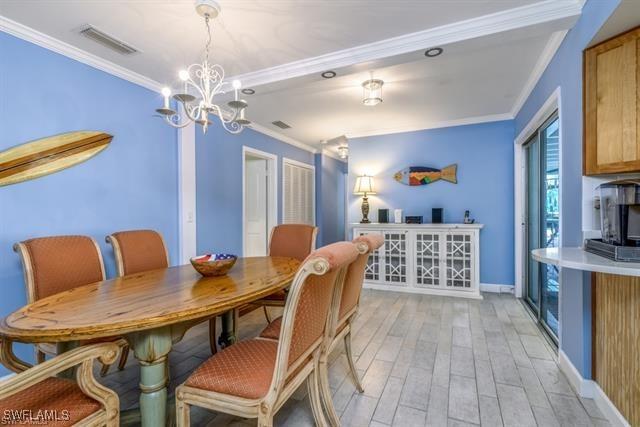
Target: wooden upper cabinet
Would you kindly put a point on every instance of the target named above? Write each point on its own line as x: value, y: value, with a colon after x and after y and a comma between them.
x: 612, y: 105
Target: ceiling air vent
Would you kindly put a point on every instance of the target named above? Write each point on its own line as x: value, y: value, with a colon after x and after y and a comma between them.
x: 281, y: 124
x: 106, y: 40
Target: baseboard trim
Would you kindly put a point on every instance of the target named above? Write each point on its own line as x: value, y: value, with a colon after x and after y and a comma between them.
x: 421, y: 291
x: 496, y: 288
x: 591, y: 390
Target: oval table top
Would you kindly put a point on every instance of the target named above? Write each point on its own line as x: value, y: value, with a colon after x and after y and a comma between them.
x: 146, y: 300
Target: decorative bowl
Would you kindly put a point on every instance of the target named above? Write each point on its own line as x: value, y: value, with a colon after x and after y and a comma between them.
x: 213, y: 264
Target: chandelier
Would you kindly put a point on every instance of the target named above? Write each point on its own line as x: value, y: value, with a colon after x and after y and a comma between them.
x: 201, y: 84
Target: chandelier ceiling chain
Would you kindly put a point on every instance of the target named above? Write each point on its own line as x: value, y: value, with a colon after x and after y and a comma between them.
x: 206, y: 81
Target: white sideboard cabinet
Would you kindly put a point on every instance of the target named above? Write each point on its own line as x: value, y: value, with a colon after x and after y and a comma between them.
x: 441, y: 259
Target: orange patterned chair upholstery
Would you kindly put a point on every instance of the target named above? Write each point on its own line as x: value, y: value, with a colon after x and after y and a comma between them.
x: 287, y: 240
x: 36, y: 390
x: 347, y: 309
x: 138, y: 250
x: 254, y: 378
x: 293, y: 241
x: 56, y: 264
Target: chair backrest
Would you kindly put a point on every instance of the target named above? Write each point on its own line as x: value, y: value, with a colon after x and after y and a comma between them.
x: 293, y: 240
x: 138, y: 250
x: 59, y: 263
x: 313, y: 295
x: 355, y: 274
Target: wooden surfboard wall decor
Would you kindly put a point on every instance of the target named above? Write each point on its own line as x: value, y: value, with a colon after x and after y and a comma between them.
x: 48, y: 155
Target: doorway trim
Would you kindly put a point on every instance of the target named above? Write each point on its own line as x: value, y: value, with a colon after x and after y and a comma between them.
x: 272, y: 200
x: 552, y: 104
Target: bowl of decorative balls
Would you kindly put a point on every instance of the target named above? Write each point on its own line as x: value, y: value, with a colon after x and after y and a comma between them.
x: 213, y: 264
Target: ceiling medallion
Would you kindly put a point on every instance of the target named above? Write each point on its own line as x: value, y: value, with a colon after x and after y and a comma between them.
x: 201, y: 84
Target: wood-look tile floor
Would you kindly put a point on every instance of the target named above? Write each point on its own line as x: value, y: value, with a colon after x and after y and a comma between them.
x: 424, y: 361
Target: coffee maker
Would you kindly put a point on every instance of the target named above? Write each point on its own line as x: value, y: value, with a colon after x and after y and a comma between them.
x: 620, y: 221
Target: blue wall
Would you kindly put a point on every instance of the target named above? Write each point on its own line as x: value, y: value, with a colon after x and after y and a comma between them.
x: 565, y: 71
x: 219, y: 183
x: 484, y: 154
x: 330, y: 196
x: 131, y: 184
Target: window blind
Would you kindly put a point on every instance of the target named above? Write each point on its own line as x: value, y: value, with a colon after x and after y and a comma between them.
x: 298, y: 193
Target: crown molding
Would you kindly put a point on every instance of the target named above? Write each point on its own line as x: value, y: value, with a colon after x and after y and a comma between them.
x: 545, y: 58
x: 36, y: 37
x: 284, y: 138
x: 532, y: 14
x: 436, y: 125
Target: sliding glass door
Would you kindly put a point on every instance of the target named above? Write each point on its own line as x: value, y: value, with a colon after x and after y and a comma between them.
x: 542, y: 221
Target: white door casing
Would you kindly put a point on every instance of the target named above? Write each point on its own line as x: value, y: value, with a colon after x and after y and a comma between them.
x: 259, y: 200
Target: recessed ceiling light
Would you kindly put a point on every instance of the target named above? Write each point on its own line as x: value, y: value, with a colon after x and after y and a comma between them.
x: 248, y: 91
x: 328, y: 74
x: 433, y: 52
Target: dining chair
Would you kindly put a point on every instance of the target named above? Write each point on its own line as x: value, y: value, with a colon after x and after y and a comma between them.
x: 58, y: 263
x: 255, y: 377
x: 286, y: 240
x: 348, y: 307
x: 37, y: 390
x: 136, y: 251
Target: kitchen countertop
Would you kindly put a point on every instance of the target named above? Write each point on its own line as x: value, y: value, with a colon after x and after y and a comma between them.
x: 579, y: 259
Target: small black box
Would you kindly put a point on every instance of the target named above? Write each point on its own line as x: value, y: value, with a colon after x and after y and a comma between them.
x: 436, y: 215
x: 383, y: 216
x: 413, y: 219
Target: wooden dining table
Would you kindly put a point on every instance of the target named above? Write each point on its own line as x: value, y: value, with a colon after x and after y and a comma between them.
x: 152, y: 311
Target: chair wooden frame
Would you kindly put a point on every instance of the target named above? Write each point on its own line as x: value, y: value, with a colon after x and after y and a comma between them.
x: 43, y: 349
x: 248, y: 308
x: 345, y: 335
x: 282, y: 386
x: 82, y: 358
x: 117, y: 251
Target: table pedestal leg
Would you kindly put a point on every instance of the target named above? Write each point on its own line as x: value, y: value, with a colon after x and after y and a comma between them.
x: 227, y: 336
x: 63, y: 347
x: 151, y: 349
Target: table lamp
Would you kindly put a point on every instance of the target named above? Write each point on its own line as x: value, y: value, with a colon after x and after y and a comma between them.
x: 364, y: 186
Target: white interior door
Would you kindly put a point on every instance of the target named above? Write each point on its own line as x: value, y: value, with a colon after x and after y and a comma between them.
x: 256, y: 206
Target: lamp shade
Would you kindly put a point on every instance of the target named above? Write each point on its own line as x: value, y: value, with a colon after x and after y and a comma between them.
x: 364, y: 185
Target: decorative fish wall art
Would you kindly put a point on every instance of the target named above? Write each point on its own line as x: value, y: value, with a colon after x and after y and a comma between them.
x: 420, y: 175
x: 48, y: 155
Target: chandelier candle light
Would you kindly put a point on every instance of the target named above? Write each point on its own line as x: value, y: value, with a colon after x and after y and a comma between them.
x: 364, y: 186
x: 201, y: 84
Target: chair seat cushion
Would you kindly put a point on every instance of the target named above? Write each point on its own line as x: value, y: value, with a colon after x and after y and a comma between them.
x: 244, y: 370
x: 61, y: 396
x: 272, y: 331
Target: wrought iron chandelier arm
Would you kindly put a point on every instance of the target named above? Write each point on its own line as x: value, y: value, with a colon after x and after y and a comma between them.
x: 221, y: 113
x: 178, y: 125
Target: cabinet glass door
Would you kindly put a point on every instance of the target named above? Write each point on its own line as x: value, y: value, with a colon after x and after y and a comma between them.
x: 395, y: 257
x: 427, y: 259
x: 458, y: 261
x: 542, y: 222
x: 372, y: 270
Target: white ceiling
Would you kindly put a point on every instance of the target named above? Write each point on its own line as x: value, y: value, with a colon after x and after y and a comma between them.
x: 473, y: 79
x: 482, y: 72
x: 249, y: 35
x: 625, y: 17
